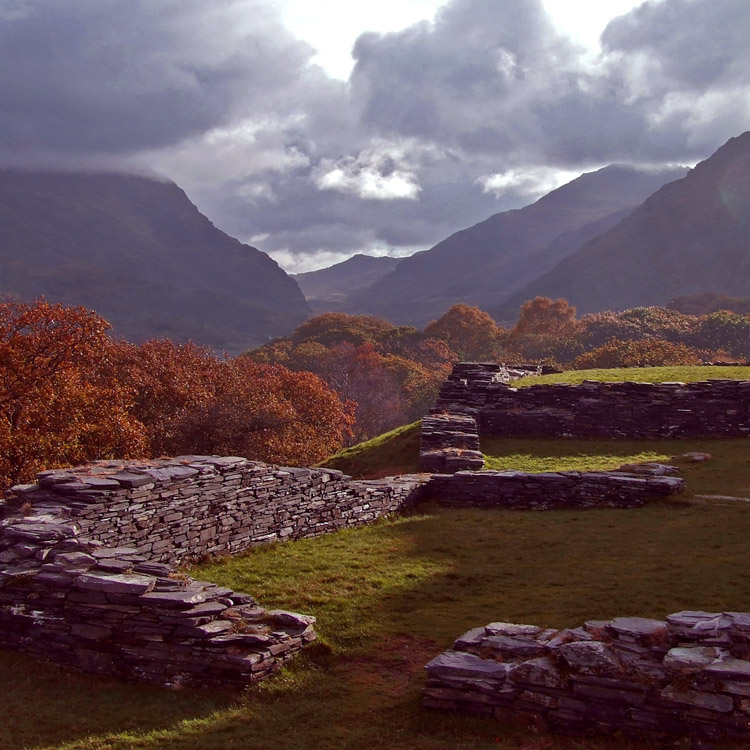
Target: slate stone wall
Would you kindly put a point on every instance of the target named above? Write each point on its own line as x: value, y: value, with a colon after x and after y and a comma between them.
x: 712, y: 408
x: 191, y: 506
x: 547, y: 491
x: 687, y: 676
x: 85, y: 563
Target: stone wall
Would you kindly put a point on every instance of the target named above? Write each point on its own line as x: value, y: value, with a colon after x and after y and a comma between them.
x: 84, y: 574
x: 688, y: 676
x: 191, y: 506
x: 449, y: 442
x: 565, y: 489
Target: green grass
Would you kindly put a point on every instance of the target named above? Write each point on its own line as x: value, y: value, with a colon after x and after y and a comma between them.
x: 388, y: 598
x: 394, y: 452
x: 727, y: 473
x: 640, y: 375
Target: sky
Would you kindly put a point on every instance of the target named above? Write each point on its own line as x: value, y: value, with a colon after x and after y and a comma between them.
x: 318, y: 130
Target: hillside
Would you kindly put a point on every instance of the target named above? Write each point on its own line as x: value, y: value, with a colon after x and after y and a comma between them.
x: 336, y: 283
x: 691, y: 236
x: 142, y: 255
x: 482, y: 264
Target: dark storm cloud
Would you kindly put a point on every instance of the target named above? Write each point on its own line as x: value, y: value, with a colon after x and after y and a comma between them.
x: 112, y: 76
x: 440, y: 125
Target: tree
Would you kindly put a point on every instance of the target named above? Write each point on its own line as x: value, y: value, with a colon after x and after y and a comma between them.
x: 191, y: 401
x: 648, y: 352
x: 58, y: 403
x: 544, y: 316
x: 471, y: 333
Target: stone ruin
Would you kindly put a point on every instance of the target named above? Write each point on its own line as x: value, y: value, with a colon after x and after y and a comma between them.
x: 87, y: 555
x: 481, y: 391
x: 687, y: 676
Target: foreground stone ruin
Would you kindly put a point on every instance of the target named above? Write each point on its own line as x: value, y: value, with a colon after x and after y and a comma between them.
x: 686, y: 676
x: 85, y: 564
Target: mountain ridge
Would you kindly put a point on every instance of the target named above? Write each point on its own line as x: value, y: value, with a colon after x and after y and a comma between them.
x: 487, y: 261
x: 140, y: 253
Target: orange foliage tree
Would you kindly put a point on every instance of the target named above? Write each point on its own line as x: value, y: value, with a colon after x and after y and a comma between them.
x: 471, y: 333
x: 190, y: 401
x: 58, y: 403
x: 649, y: 352
x: 545, y: 331
x: 70, y: 394
x: 390, y: 373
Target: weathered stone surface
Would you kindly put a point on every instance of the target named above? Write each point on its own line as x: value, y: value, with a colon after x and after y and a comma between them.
x: 612, y: 676
x: 690, y: 660
x: 460, y: 664
x: 539, y: 672
x: 589, y: 657
x: 115, y: 584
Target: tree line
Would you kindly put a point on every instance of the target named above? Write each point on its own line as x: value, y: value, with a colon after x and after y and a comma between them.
x: 70, y: 392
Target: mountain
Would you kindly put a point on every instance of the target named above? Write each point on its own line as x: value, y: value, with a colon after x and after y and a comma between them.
x: 691, y: 236
x: 484, y: 263
x: 137, y: 251
x: 336, y: 283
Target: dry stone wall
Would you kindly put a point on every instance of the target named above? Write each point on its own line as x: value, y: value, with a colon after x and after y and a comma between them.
x: 450, y: 442
x: 86, y: 576
x: 712, y: 408
x: 191, y: 506
x: 551, y: 490
x: 687, y: 676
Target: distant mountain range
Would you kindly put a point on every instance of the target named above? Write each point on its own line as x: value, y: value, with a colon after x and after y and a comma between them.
x: 691, y: 236
x: 484, y: 264
x: 330, y: 288
x: 138, y: 252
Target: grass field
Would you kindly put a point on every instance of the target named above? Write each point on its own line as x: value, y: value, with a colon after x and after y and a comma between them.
x: 388, y: 598
x: 391, y: 596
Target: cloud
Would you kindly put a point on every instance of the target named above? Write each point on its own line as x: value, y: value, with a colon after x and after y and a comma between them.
x: 106, y: 76
x: 441, y: 124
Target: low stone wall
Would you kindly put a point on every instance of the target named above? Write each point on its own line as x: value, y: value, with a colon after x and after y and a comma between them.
x: 450, y: 442
x: 191, y: 506
x: 713, y: 408
x: 688, y: 676
x: 84, y: 579
x: 112, y: 611
x: 465, y: 389
x: 547, y: 491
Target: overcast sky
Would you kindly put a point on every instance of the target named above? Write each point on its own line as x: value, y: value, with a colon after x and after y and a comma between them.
x: 315, y: 130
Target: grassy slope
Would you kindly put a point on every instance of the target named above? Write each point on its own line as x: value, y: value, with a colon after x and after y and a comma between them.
x: 394, y: 452
x: 641, y: 375
x: 388, y: 598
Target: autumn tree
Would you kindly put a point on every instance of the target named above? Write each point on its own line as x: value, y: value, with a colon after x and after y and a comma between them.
x: 648, y: 352
x: 191, y: 401
x: 471, y: 333
x: 544, y: 316
x: 58, y: 403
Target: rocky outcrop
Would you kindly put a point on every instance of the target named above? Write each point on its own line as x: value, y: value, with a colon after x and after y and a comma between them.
x: 686, y: 676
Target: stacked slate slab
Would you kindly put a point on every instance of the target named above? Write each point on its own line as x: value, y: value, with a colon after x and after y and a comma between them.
x: 450, y: 433
x: 552, y: 490
x: 686, y: 676
x: 712, y: 408
x: 190, y: 506
x: 449, y: 443
x: 86, y: 555
x: 465, y: 389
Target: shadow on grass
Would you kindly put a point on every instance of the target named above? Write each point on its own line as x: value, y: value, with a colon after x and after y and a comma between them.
x: 391, y: 596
